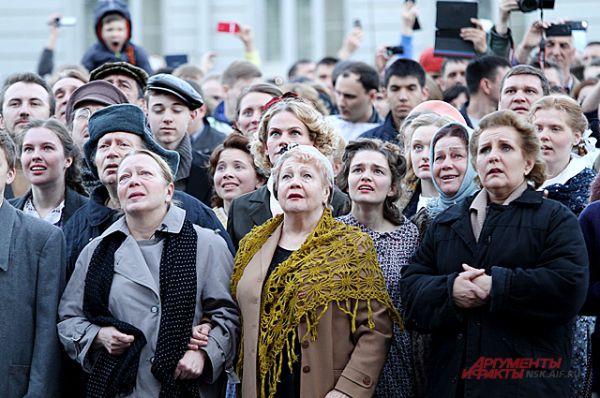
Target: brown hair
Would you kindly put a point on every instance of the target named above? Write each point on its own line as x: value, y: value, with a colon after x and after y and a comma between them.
x: 527, y: 70
x: 264, y: 88
x: 8, y: 146
x: 73, y: 178
x: 396, y: 163
x: 235, y: 140
x: 530, y: 142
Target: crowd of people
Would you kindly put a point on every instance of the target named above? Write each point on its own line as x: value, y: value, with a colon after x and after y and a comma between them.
x: 407, y: 228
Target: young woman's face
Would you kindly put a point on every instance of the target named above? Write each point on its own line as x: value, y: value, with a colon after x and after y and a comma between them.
x: 283, y: 129
x: 235, y: 174
x: 369, y: 178
x: 43, y: 157
x: 250, y: 112
x: 419, y: 151
x: 556, y: 136
x: 450, y: 159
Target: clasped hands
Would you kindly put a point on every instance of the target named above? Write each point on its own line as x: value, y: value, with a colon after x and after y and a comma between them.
x: 471, y: 287
x: 190, y: 366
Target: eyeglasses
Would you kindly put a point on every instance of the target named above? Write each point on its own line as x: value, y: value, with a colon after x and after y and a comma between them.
x: 82, y: 114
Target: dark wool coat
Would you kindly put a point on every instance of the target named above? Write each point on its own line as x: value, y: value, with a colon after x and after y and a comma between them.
x: 535, y: 253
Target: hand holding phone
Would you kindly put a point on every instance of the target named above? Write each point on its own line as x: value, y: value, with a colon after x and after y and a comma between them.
x: 228, y: 27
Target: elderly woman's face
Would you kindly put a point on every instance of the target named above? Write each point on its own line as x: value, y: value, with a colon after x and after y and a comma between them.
x: 141, y: 185
x: 283, y: 129
x: 501, y: 164
x: 301, y: 188
x: 234, y: 174
x: 449, y: 164
x: 557, y: 138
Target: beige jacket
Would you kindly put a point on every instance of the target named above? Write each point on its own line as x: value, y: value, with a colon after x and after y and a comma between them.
x: 338, y: 359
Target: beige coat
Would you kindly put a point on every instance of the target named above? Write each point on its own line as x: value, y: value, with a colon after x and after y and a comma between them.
x: 338, y: 359
x: 135, y: 298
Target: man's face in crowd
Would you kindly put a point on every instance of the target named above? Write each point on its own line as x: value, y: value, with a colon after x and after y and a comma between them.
x: 127, y: 85
x: 81, y: 117
x: 169, y: 118
x: 23, y: 102
x: 403, y: 94
x: 62, y: 90
x: 213, y: 93
x: 354, y: 102
x: 306, y: 69
x: 453, y: 74
x: 519, y: 92
x: 560, y: 50
x: 496, y: 84
x: 232, y: 93
x: 590, y: 53
x: 111, y: 149
x: 323, y: 75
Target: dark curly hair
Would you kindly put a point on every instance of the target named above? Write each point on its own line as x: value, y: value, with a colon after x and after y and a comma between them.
x: 396, y: 162
x: 73, y: 178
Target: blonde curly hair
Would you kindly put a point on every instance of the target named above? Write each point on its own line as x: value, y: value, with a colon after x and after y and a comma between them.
x: 320, y: 131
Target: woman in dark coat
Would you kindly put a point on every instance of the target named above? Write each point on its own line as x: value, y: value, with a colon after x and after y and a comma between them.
x: 500, y: 277
x: 51, y: 164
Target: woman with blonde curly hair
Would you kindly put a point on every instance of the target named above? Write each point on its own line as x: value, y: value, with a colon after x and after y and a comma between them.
x: 285, y: 120
x: 501, y: 274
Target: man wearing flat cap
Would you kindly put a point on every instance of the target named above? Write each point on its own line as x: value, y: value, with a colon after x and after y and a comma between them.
x: 86, y: 100
x: 114, y: 132
x: 172, y: 103
x: 128, y: 78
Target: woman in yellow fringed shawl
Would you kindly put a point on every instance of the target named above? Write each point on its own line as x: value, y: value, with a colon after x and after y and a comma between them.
x: 317, y: 318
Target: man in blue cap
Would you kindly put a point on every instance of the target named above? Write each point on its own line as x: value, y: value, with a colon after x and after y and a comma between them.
x: 172, y: 103
x: 114, y: 132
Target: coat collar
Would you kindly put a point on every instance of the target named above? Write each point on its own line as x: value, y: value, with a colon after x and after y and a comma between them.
x: 98, y: 212
x: 259, y: 209
x: 172, y: 223
x: 529, y: 197
x: 8, y: 214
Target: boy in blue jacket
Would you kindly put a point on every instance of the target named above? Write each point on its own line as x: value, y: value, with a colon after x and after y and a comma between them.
x: 113, y: 29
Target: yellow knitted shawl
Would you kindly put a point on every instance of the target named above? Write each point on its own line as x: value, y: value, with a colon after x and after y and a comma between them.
x: 336, y: 264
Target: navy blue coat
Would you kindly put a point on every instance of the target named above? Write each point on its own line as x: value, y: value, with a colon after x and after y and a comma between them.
x: 94, y: 217
x: 385, y: 132
x: 100, y: 54
x: 535, y: 253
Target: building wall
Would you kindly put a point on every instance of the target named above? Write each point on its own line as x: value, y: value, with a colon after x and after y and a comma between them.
x: 285, y: 30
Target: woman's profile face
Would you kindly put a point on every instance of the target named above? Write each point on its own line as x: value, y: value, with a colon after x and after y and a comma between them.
x: 301, y: 188
x: 501, y: 164
x: 557, y: 138
x: 43, y: 157
x: 450, y: 159
x: 283, y: 129
x: 419, y: 151
x: 250, y: 112
x: 235, y: 174
x: 369, y: 178
x: 141, y: 185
